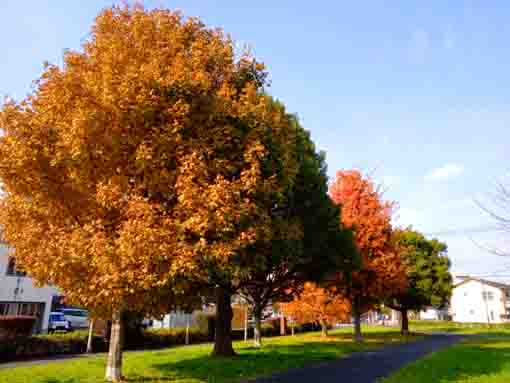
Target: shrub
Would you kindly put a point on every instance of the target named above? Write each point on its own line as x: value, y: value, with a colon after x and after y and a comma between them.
x: 39, y: 346
x: 14, y: 326
x: 159, y: 338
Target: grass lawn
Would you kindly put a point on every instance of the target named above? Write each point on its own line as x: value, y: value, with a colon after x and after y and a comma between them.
x: 192, y: 364
x: 482, y: 358
x: 459, y: 328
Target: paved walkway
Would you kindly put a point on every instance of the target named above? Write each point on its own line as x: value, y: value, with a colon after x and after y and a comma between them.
x: 50, y: 359
x: 365, y: 367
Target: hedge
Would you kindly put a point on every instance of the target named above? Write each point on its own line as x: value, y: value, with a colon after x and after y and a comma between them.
x: 15, y: 326
x: 41, y: 346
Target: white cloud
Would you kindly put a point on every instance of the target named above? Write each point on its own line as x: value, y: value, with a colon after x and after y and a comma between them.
x: 445, y: 172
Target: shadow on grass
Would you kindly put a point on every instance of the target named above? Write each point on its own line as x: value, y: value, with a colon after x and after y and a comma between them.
x: 274, y: 356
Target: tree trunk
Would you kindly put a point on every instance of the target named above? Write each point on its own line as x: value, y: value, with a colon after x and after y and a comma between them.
x: 223, y: 323
x: 91, y: 334
x: 114, y: 363
x: 356, y: 313
x: 186, y: 340
x: 282, y: 325
x: 292, y: 330
x: 257, y: 333
x: 246, y: 324
x: 404, y: 330
x: 324, y: 328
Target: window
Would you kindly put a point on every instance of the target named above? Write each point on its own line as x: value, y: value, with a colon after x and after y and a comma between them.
x: 30, y: 309
x: 75, y: 313
x: 11, y: 269
x: 57, y: 317
x: 488, y: 295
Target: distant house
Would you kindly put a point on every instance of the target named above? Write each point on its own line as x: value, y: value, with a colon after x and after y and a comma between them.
x: 476, y: 300
x: 19, y: 296
x: 432, y: 313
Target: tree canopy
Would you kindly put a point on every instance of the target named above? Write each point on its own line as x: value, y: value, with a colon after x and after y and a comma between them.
x: 317, y: 305
x: 369, y: 216
x: 428, y: 274
x: 307, y: 242
x: 150, y: 153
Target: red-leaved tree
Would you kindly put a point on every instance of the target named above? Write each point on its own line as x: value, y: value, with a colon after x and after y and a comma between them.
x: 365, y: 212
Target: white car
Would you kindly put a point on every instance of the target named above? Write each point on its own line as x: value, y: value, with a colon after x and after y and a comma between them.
x: 77, y: 317
x: 58, y: 323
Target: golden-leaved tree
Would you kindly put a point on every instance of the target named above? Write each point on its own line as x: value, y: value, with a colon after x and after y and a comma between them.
x: 142, y: 158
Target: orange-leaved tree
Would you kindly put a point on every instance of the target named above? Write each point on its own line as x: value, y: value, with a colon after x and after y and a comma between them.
x: 143, y: 158
x: 317, y: 305
x: 382, y: 271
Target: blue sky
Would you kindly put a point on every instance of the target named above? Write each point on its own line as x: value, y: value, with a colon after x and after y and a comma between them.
x: 415, y: 92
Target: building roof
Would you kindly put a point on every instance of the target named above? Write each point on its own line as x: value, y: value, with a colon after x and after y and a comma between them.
x: 484, y: 281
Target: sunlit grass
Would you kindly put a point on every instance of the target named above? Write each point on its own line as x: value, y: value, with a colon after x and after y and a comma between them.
x: 192, y: 364
x: 459, y: 328
x: 479, y: 359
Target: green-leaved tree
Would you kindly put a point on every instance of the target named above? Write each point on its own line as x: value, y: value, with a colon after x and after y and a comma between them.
x: 428, y: 274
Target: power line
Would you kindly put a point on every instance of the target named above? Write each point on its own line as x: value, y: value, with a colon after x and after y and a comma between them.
x: 466, y: 230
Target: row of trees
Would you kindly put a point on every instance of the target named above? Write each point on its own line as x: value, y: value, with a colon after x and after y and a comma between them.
x: 400, y: 268
x: 153, y: 169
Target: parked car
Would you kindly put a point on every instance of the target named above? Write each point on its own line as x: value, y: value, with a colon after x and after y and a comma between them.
x: 77, y: 317
x: 146, y: 323
x: 58, y: 323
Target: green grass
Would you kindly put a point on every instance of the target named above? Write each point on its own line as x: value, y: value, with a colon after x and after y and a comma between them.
x: 484, y: 357
x: 459, y: 328
x: 480, y: 359
x: 192, y: 364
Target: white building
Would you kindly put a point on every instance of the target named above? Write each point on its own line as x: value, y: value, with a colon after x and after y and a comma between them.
x: 176, y: 319
x: 432, y: 313
x: 477, y: 300
x: 19, y: 296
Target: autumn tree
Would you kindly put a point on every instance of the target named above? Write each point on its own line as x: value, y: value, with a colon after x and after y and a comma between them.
x: 146, y: 156
x: 382, y: 272
x: 428, y: 275
x: 306, y: 241
x: 317, y: 305
x: 253, y: 209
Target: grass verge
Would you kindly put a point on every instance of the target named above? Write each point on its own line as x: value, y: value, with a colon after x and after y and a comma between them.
x: 192, y: 364
x: 479, y: 359
x: 460, y: 328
